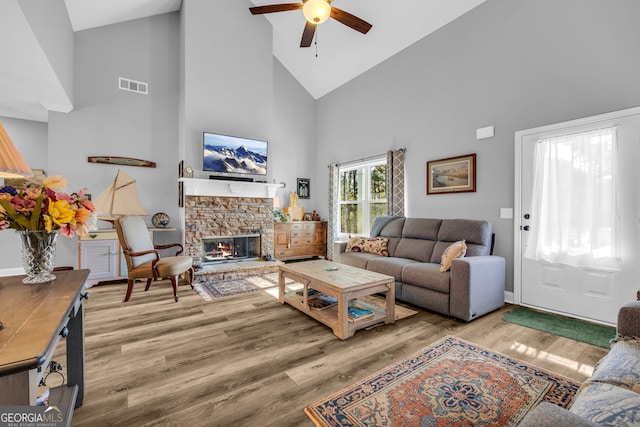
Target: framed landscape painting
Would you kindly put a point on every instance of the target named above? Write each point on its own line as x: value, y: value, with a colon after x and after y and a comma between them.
x: 452, y: 175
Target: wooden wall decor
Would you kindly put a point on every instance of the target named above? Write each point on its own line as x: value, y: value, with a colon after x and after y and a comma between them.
x: 121, y: 161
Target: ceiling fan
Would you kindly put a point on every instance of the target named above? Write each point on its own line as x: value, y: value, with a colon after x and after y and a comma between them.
x: 315, y: 12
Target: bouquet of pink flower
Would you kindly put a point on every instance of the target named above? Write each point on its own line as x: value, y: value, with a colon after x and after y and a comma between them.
x: 44, y: 207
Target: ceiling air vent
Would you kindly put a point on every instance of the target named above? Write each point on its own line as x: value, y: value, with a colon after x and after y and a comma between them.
x: 133, y: 86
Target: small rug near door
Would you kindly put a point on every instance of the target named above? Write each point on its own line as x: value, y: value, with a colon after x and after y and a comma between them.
x: 579, y: 330
x: 451, y: 382
x: 216, y: 289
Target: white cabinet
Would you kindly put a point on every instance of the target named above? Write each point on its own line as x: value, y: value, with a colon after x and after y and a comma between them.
x: 99, y: 251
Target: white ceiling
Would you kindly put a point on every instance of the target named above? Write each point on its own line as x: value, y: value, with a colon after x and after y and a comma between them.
x: 28, y: 84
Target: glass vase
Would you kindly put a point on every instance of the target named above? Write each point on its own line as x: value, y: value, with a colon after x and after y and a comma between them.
x: 38, y: 255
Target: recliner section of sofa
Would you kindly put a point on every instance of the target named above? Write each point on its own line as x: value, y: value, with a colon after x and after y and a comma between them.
x: 475, y: 283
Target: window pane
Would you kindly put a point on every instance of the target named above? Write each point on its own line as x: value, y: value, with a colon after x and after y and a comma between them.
x: 378, y: 182
x: 376, y: 210
x: 351, y: 218
x: 351, y: 185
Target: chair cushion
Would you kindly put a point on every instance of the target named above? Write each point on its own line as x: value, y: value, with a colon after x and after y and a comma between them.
x: 136, y: 236
x: 389, y: 266
x: 167, y: 267
x: 606, y: 404
x: 621, y: 366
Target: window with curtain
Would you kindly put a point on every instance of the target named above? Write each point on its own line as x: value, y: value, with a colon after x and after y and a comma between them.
x: 573, y: 219
x: 362, y: 195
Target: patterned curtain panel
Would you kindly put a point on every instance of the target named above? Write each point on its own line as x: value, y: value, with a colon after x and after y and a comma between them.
x: 395, y: 182
x: 332, y: 226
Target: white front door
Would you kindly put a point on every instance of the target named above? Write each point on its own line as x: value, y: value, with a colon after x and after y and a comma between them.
x: 588, y: 293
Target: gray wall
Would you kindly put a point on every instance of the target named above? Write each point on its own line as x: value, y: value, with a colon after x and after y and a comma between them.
x: 208, y: 68
x: 109, y: 121
x: 511, y: 64
x: 30, y: 139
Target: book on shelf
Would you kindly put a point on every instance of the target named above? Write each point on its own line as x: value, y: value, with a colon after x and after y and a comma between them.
x: 357, y: 312
x: 310, y: 293
x: 321, y: 301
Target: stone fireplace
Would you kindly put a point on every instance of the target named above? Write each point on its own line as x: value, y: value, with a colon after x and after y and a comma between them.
x: 229, y: 210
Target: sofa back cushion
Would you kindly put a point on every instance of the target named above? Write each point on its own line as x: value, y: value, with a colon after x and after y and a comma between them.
x: 419, y: 236
x: 425, y: 239
x: 391, y: 227
x: 477, y: 235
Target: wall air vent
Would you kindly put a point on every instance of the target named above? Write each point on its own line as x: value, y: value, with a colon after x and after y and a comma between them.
x: 133, y: 86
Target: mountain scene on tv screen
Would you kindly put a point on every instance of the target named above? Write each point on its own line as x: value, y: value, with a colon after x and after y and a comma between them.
x: 224, y: 158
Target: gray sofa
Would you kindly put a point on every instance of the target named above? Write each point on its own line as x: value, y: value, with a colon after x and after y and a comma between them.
x: 475, y: 284
x: 611, y: 397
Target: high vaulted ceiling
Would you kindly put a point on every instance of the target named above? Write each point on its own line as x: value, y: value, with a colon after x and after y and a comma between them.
x: 29, y: 87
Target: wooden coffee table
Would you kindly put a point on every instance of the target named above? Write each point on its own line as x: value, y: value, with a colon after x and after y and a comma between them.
x: 343, y: 282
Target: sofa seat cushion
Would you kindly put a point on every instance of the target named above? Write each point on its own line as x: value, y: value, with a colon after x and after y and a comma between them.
x: 607, y: 404
x: 621, y: 366
x: 389, y: 265
x: 426, y: 275
x: 357, y: 259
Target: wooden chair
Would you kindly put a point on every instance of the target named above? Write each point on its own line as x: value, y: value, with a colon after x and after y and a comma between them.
x: 143, y: 259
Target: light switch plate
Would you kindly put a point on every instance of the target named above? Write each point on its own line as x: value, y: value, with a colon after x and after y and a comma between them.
x: 506, y: 213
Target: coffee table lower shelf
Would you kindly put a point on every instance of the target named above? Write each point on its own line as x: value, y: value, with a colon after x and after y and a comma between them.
x: 312, y: 275
x: 329, y: 315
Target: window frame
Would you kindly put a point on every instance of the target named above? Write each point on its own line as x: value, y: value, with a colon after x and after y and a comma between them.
x: 366, y: 202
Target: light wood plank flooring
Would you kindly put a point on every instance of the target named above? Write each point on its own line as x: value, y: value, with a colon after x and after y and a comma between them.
x: 250, y: 361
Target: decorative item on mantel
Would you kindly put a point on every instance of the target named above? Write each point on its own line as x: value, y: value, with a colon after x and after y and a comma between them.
x: 39, y: 213
x: 119, y: 198
x: 296, y: 212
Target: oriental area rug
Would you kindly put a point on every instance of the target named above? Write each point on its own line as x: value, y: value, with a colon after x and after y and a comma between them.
x: 449, y: 383
x: 216, y: 289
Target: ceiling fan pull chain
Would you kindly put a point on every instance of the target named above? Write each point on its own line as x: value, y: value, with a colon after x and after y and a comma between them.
x: 316, y: 43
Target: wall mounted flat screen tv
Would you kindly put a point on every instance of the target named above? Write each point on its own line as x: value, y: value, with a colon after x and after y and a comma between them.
x: 233, y: 155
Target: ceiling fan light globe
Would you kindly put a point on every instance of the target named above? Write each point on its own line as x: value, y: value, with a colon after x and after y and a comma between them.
x: 316, y: 11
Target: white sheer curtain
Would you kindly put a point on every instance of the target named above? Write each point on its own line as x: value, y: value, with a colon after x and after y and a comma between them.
x: 574, y: 217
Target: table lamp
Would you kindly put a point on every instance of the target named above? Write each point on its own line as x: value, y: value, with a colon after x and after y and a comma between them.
x: 12, y: 165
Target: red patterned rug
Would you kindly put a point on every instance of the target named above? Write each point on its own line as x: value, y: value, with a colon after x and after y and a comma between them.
x: 450, y: 383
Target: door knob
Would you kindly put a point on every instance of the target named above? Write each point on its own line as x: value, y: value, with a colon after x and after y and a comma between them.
x: 525, y: 228
x: 527, y: 216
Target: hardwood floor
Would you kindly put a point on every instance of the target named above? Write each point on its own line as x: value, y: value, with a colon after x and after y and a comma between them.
x: 250, y: 361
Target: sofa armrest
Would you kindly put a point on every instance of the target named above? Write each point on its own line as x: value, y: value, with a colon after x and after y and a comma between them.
x: 629, y: 319
x: 338, y: 248
x: 476, y: 286
x: 548, y: 414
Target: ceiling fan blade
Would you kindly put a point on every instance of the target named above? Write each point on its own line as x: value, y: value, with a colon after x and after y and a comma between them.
x: 350, y: 20
x: 259, y: 10
x: 307, y: 34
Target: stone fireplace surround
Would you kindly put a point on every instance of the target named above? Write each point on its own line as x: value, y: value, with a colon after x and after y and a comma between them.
x: 226, y: 208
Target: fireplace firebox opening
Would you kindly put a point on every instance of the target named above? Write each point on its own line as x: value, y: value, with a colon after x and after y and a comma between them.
x: 244, y: 247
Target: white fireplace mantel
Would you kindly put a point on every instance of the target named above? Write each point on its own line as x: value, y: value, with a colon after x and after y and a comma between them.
x: 213, y: 187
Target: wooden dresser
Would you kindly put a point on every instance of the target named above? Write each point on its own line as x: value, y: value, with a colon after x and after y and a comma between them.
x: 300, y: 239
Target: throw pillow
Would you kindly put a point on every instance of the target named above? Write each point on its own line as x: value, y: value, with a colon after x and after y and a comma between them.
x: 455, y: 250
x: 372, y: 245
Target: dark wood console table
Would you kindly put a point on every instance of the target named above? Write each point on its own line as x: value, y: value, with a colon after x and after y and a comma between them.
x: 35, y: 318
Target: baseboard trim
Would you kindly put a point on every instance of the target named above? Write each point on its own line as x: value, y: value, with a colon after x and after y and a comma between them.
x: 508, y: 297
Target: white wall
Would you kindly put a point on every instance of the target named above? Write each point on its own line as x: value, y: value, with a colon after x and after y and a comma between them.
x: 511, y: 64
